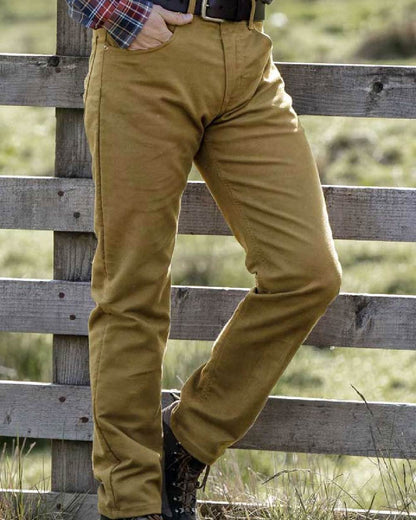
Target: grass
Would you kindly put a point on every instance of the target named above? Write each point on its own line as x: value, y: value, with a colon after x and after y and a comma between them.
x: 12, y: 506
x: 315, y: 491
x: 16, y: 501
x: 312, y: 489
x: 27, y: 140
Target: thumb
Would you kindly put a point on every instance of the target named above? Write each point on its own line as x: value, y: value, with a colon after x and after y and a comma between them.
x: 175, y: 18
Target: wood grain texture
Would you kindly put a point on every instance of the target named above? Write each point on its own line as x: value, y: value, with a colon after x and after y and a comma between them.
x: 71, y: 460
x: 83, y: 506
x: 199, y: 313
x: 353, y: 90
x: 289, y: 424
x: 66, y: 204
x: 257, y: 511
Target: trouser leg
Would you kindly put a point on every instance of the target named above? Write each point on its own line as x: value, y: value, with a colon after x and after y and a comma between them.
x: 142, y: 143
x: 258, y: 164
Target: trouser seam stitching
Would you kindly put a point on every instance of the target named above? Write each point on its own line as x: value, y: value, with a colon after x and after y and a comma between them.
x: 90, y: 71
x: 95, y: 416
x: 101, y: 209
x: 216, y: 361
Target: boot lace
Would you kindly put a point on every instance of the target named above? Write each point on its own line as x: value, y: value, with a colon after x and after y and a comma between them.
x: 188, y: 482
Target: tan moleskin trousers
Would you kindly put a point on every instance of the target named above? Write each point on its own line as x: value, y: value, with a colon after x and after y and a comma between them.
x: 211, y: 94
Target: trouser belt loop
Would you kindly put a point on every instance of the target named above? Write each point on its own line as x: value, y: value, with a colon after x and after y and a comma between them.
x: 251, y: 19
x: 191, y: 6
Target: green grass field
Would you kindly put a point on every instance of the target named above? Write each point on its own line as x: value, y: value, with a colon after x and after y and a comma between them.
x: 349, y: 151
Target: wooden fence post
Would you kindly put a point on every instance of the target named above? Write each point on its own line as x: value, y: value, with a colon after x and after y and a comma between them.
x: 71, y: 460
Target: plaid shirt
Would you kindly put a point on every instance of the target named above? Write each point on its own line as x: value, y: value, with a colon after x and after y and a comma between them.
x: 123, y: 19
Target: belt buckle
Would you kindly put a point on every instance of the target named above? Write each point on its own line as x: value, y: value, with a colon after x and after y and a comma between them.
x: 204, y: 15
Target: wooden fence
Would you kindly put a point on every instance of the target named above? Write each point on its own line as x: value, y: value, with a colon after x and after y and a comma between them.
x: 60, y: 411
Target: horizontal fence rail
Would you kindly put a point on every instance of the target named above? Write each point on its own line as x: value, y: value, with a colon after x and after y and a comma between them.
x: 66, y: 204
x: 289, y: 424
x: 316, y: 88
x: 351, y: 320
x: 83, y: 506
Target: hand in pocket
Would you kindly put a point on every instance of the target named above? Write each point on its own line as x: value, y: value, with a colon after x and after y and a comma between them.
x: 155, y: 30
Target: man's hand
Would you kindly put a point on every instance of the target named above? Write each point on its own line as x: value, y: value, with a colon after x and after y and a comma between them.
x: 155, y: 31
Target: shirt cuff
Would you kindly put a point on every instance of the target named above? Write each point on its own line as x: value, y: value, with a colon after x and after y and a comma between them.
x: 127, y: 20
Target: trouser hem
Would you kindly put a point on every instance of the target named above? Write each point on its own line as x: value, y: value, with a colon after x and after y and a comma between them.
x: 193, y: 449
x: 139, y: 510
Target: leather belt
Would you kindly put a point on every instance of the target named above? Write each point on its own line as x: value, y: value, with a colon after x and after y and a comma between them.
x: 218, y: 10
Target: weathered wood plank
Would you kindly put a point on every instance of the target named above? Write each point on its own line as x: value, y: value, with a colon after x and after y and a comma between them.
x: 71, y: 460
x: 66, y: 204
x: 316, y: 88
x: 351, y: 320
x: 226, y: 510
x: 289, y: 424
x: 47, y: 203
x: 83, y: 506
x: 351, y: 90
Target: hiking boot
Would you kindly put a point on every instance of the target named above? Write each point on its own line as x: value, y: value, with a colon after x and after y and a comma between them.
x: 180, y: 475
x: 152, y: 516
